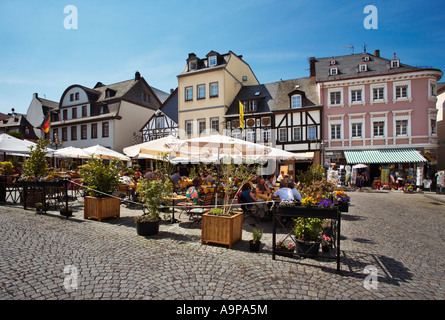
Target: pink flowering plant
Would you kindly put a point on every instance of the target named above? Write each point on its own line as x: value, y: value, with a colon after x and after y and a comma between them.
x: 325, y: 240
x: 288, y: 246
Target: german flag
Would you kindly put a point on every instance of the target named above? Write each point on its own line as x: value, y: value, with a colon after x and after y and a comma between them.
x: 45, y: 125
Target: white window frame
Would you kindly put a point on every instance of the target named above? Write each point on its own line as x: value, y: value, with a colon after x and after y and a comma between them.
x: 336, y: 122
x: 383, y: 134
x: 432, y: 90
x: 432, y: 117
x: 188, y: 127
x: 236, y: 133
x: 296, y: 101
x: 201, y: 123
x: 282, y: 134
x: 267, y: 134
x: 193, y: 65
x: 395, y: 63
x: 356, y: 124
x: 160, y: 123
x: 214, y: 128
x: 308, y: 132
x: 363, y: 67
x: 201, y: 89
x: 250, y: 135
x: 294, y: 135
x: 357, y: 88
x: 188, y: 93
x: 211, y: 86
x: 253, y: 106
x: 385, y: 93
x: 335, y: 90
x: 399, y: 84
x: 357, y: 120
x: 335, y: 126
x: 213, y: 61
x: 333, y: 71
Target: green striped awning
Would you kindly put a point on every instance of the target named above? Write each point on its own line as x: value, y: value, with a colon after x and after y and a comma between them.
x: 384, y: 156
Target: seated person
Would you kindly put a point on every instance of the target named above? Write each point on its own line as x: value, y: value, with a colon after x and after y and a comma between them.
x: 125, y: 179
x: 284, y: 193
x: 176, y: 177
x: 133, y: 193
x: 295, y: 192
x: 149, y: 175
x: 193, y: 191
x: 261, y: 187
x: 248, y: 197
x: 271, y: 181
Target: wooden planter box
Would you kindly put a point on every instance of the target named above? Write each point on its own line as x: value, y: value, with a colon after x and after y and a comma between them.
x: 101, y: 208
x: 222, y: 230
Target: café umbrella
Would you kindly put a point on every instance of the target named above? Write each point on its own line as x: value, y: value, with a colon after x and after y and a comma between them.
x: 99, y: 151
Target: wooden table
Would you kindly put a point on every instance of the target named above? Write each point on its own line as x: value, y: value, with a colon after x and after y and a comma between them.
x: 173, y: 199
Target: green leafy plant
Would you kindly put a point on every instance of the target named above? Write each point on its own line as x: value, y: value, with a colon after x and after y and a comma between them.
x: 308, y: 229
x: 6, y: 168
x: 314, y: 173
x: 281, y: 245
x: 100, y: 178
x: 152, y: 194
x: 36, y: 164
x: 217, y: 212
x: 257, y: 235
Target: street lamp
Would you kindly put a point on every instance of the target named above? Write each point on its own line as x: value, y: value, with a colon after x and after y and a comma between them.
x: 55, y: 143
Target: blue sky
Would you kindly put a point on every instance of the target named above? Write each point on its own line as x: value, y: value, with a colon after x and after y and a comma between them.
x: 115, y: 39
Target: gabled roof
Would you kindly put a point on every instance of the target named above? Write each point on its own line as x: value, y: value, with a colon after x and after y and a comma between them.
x: 48, y: 103
x: 348, y: 67
x: 170, y: 106
x: 274, y: 96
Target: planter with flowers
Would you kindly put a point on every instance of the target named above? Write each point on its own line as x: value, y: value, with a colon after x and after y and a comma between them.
x: 343, y: 200
x: 326, y: 243
x: 284, y: 249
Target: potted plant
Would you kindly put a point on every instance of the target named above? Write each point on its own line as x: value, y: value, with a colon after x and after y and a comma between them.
x: 152, y: 194
x: 325, y: 243
x: 101, y: 181
x: 283, y: 249
x: 39, y: 207
x: 66, y: 211
x: 343, y: 200
x: 307, y: 231
x: 256, y: 240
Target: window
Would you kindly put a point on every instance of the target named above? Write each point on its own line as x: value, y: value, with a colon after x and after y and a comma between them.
x: 55, y: 134
x: 105, y: 130
x: 72, y: 97
x: 74, y: 113
x: 74, y: 133
x: 201, y: 126
x: 378, y: 94
x: 189, y: 127
x: 282, y: 134
x: 193, y: 65
x: 401, y: 127
x: 433, y: 89
x: 160, y: 123
x: 65, y: 114
x: 83, y: 132
x: 94, y: 131
x: 201, y: 91
x: 433, y: 127
x: 401, y: 92
x: 188, y: 94
x: 212, y: 61
x: 379, y: 128
x: 312, y: 133
x: 65, y: 134
x: 296, y: 134
x: 356, y: 95
x: 356, y: 130
x: 335, y: 131
x: 267, y: 135
x: 395, y: 63
x: 335, y: 97
x: 84, y: 111
x: 296, y: 101
x: 333, y: 71
x: 77, y: 96
x: 214, y: 89
x: 250, y: 135
x: 145, y: 97
x: 236, y: 134
x: 253, y: 106
x: 214, y: 124
x: 363, y: 67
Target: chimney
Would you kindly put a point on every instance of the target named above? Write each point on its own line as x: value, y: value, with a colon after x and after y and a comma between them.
x: 137, y: 76
x: 36, y: 95
x: 172, y: 90
x: 377, y: 53
x: 312, y: 66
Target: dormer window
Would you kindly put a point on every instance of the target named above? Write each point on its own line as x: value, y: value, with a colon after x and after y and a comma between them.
x: 395, y: 63
x: 363, y: 67
x: 193, y: 65
x: 109, y: 93
x: 333, y: 62
x: 366, y: 58
x: 333, y: 71
x: 295, y: 101
x: 212, y: 61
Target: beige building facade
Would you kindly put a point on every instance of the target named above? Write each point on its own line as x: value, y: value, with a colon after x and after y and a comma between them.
x: 206, y: 89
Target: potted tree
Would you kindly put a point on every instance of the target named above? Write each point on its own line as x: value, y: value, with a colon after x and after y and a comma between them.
x: 101, y: 181
x: 152, y: 194
x: 256, y: 240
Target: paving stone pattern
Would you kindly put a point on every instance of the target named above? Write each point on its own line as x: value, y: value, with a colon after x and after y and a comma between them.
x: 402, y: 236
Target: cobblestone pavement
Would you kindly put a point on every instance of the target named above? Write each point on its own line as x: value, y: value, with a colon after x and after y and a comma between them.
x: 402, y: 236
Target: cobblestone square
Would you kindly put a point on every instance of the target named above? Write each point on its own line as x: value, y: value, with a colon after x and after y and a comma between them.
x: 399, y: 236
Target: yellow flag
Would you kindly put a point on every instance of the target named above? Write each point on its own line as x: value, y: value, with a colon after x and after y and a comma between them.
x: 241, y: 115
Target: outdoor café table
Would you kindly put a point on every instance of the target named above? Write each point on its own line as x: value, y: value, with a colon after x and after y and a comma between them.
x: 174, y: 199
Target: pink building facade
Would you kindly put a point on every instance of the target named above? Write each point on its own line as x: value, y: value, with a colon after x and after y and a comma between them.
x: 372, y: 103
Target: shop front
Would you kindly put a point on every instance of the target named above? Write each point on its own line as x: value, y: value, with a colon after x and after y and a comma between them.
x: 388, y: 169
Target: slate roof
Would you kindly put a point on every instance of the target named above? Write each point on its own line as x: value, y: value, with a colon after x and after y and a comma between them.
x: 170, y: 106
x: 274, y: 96
x: 348, y: 67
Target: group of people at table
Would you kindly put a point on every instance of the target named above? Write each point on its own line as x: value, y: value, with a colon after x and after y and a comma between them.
x: 259, y: 195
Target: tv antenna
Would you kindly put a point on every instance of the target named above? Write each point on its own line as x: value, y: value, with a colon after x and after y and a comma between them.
x: 350, y: 47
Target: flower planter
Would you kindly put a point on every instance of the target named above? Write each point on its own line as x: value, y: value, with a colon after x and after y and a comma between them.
x: 101, y: 208
x: 308, y: 249
x: 343, y: 206
x: 284, y: 252
x: 325, y: 248
x: 300, y: 211
x: 221, y: 229
x: 148, y: 228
